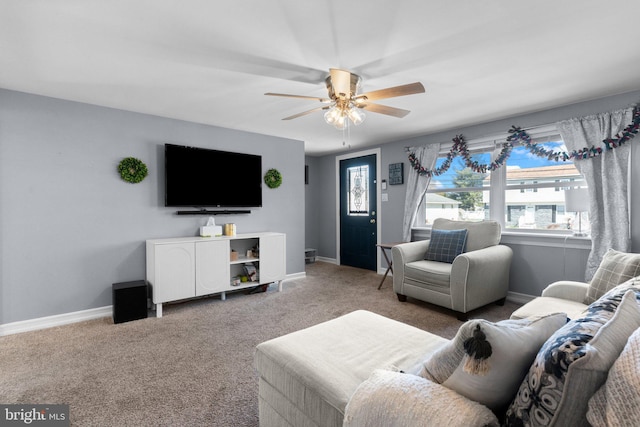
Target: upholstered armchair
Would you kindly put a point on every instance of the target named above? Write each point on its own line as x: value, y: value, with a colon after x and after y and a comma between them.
x: 462, y: 266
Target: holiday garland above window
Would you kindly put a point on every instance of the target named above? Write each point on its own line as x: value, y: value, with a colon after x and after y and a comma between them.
x: 518, y: 135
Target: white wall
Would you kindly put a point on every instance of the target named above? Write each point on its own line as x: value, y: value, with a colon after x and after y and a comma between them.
x: 70, y: 227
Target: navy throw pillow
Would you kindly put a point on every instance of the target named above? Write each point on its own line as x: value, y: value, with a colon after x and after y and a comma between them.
x: 446, y: 245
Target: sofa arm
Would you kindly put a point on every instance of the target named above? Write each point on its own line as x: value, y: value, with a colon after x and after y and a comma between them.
x: 395, y: 399
x: 480, y: 277
x: 567, y: 289
x: 402, y: 254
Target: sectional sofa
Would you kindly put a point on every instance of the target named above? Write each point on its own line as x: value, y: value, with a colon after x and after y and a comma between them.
x: 363, y: 369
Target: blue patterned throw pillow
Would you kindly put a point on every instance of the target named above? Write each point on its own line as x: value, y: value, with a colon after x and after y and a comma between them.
x: 446, y: 245
x: 555, y: 391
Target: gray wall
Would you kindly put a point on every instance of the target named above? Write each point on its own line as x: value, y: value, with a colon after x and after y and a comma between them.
x: 535, y: 265
x: 70, y: 227
x: 312, y: 216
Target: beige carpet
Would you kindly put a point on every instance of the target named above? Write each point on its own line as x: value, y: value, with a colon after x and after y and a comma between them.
x: 194, y: 366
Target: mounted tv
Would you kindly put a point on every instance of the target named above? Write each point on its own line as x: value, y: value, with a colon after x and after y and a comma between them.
x: 199, y: 177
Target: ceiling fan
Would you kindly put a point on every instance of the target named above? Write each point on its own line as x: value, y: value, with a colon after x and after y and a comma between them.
x: 344, y: 101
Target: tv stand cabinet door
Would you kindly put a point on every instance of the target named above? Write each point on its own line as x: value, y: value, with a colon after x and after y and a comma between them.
x: 212, y: 267
x: 272, y: 258
x: 174, y: 272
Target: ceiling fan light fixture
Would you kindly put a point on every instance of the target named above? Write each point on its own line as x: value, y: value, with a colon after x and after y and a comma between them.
x: 332, y: 115
x: 346, y: 104
x: 341, y: 123
x: 356, y: 115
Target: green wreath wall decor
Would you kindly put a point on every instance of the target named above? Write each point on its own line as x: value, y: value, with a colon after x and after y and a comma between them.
x: 273, y: 178
x: 132, y: 170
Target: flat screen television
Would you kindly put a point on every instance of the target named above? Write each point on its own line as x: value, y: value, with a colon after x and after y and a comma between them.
x: 200, y: 177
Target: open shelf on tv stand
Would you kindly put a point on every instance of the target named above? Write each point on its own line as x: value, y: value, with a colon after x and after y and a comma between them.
x: 215, y: 212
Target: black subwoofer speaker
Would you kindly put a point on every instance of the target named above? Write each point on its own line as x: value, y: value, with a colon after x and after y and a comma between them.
x: 129, y: 301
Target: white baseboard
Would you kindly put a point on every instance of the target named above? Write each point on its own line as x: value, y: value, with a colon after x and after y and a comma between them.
x: 325, y: 259
x: 519, y: 298
x: 53, y: 321
x: 293, y: 276
x: 77, y: 316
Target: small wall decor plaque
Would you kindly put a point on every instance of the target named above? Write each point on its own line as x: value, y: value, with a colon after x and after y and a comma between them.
x: 396, y: 173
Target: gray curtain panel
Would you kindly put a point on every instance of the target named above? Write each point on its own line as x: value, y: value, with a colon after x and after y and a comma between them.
x: 607, y: 178
x: 417, y: 186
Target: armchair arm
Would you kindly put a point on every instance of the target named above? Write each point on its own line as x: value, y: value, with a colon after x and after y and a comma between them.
x: 405, y: 253
x: 395, y: 399
x: 567, y: 289
x: 480, y: 277
x: 409, y: 252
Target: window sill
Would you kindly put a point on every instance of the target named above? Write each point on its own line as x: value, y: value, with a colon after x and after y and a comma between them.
x: 564, y: 240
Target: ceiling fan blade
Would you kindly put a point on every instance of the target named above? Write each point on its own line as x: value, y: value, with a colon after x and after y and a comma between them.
x: 392, y: 92
x: 304, y: 113
x: 341, y: 82
x: 315, y: 98
x: 383, y: 109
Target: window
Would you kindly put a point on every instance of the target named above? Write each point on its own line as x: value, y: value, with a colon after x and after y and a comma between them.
x: 528, y: 191
x: 357, y: 178
x: 532, y: 187
x: 459, y: 193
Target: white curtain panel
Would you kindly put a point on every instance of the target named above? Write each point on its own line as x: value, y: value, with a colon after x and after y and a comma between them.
x: 607, y: 178
x: 417, y: 186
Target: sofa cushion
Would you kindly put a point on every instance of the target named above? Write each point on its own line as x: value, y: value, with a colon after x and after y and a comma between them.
x: 514, y: 344
x: 617, y: 402
x: 574, y: 362
x: 548, y: 305
x: 615, y: 268
x: 480, y: 234
x: 313, y: 372
x: 446, y: 245
x: 431, y: 272
x: 390, y: 398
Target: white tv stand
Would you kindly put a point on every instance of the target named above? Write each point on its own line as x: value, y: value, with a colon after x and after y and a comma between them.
x: 187, y: 267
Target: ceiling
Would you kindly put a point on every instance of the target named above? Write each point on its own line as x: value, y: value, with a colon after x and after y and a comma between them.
x: 212, y: 61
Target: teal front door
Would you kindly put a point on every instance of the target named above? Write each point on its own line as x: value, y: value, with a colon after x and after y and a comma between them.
x: 358, y: 216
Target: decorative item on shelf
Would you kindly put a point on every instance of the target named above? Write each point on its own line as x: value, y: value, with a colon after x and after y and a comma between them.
x: 251, y: 272
x: 230, y: 229
x: 132, y: 170
x: 210, y: 228
x: 273, y: 178
x: 234, y: 255
x: 235, y: 281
